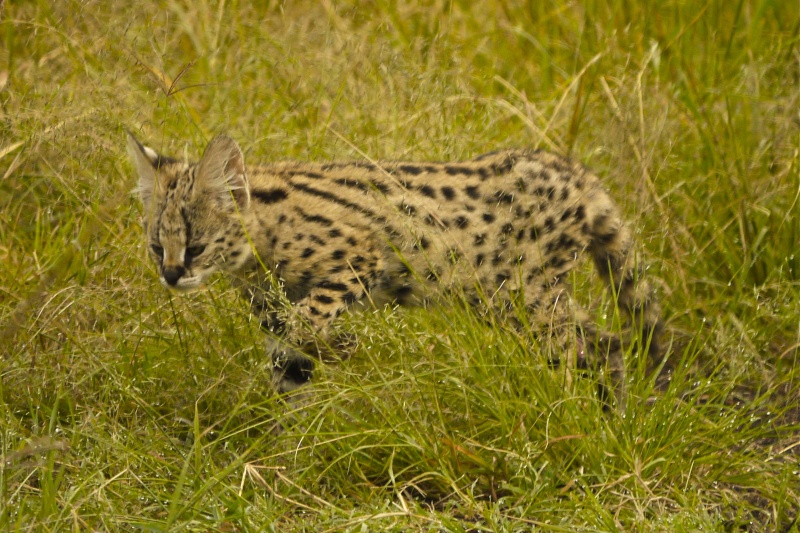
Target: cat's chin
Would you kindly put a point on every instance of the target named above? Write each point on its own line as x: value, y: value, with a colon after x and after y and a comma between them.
x: 185, y: 285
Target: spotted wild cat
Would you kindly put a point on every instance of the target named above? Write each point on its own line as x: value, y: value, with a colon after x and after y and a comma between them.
x: 307, y: 241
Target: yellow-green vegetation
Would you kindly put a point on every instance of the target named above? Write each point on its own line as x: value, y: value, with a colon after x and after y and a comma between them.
x: 124, y: 407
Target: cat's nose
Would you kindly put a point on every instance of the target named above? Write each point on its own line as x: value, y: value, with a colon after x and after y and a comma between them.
x: 173, y: 274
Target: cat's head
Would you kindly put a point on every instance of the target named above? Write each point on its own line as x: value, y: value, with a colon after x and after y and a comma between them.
x: 193, y: 211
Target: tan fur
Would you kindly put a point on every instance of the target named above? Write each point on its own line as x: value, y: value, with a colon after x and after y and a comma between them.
x: 324, y: 237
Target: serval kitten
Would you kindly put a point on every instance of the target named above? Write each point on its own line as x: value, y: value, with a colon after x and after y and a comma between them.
x: 307, y: 241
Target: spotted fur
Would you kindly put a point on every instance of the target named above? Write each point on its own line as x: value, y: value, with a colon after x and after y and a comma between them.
x: 307, y: 241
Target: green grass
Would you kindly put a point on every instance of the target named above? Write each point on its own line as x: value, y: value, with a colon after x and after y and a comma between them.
x: 125, y: 407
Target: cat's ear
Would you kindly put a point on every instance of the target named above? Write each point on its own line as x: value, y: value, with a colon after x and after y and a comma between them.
x: 146, y: 161
x: 221, y: 171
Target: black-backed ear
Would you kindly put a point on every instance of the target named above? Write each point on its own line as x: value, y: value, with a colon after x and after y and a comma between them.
x: 221, y: 171
x: 146, y: 161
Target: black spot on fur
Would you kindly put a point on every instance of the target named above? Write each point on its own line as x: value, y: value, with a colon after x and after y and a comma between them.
x: 333, y: 285
x: 308, y: 252
x: 473, y: 192
x: 317, y: 219
x: 501, y: 197
x: 323, y: 299
x: 448, y: 192
x: 369, y: 186
x: 432, y: 274
x: 504, y: 166
x: 521, y: 212
x: 428, y: 191
x: 422, y: 244
x: 488, y: 217
x: 453, y: 170
x: 269, y: 196
x: 348, y: 298
x: 410, y: 209
x: 382, y: 187
x: 303, y: 173
x: 411, y: 169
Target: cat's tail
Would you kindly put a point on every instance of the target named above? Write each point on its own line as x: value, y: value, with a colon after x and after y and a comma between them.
x: 611, y: 249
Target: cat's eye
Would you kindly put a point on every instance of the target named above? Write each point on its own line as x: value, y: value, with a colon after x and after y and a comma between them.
x: 158, y: 250
x: 195, y: 250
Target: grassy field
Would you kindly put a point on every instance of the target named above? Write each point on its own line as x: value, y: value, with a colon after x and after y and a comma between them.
x: 124, y: 407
